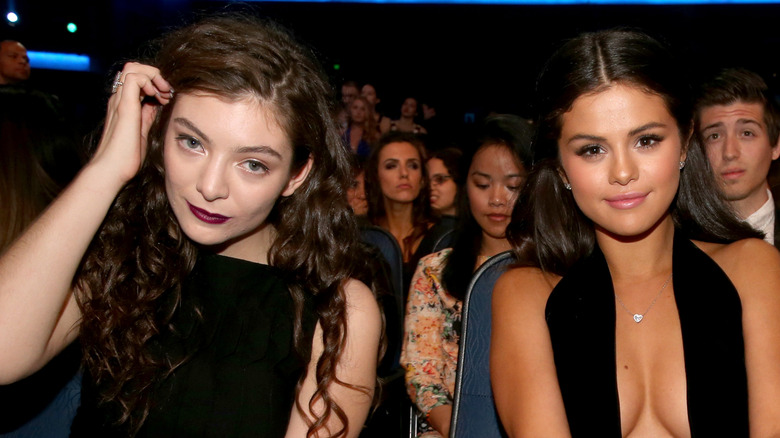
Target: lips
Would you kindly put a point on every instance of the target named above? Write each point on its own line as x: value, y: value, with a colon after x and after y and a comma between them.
x: 627, y: 200
x: 732, y: 173
x: 207, y: 216
x: 498, y: 217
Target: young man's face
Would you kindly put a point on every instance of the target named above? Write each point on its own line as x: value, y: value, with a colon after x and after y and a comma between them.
x: 740, y: 152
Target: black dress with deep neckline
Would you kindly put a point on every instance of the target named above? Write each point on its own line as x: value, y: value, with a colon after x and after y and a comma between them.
x: 234, y: 330
x: 580, y: 316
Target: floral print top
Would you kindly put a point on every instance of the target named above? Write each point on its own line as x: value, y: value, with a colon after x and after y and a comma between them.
x: 431, y: 335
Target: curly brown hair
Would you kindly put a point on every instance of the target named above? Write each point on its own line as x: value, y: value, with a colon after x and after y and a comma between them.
x: 140, y: 255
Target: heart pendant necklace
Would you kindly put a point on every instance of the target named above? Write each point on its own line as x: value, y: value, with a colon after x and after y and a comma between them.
x: 638, y: 317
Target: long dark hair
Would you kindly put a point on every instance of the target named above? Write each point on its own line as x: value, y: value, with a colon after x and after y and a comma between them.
x: 548, y: 230
x: 421, y: 209
x: 140, y: 256
x: 503, y: 130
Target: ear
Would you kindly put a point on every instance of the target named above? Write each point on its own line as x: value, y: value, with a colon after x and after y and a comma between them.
x: 687, y: 143
x: 776, y: 150
x: 298, y: 179
x: 562, y: 174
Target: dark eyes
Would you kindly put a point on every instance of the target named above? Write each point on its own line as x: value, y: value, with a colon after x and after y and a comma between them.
x: 591, y: 149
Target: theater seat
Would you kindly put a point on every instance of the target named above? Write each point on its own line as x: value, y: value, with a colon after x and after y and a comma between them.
x: 473, y: 412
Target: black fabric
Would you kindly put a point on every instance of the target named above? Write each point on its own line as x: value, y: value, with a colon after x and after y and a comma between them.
x: 581, y: 318
x: 776, y: 197
x: 240, y: 370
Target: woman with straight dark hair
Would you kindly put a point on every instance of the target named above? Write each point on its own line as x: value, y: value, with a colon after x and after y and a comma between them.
x: 209, y: 253
x: 636, y: 310
x: 496, y: 172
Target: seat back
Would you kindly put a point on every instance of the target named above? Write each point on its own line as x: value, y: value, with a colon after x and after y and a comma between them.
x: 382, y: 240
x: 474, y: 412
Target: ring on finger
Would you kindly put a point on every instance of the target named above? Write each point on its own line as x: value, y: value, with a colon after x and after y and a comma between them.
x: 117, y: 82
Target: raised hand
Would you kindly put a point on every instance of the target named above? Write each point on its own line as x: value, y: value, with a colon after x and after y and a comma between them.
x: 123, y: 143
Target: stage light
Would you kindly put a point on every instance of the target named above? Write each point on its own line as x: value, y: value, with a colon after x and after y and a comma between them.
x: 12, y: 17
x: 336, y: 66
x: 59, y: 61
x: 72, y: 28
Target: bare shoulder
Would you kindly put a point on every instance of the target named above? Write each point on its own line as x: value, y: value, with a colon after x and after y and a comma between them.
x: 362, y: 307
x: 751, y: 264
x: 524, y: 284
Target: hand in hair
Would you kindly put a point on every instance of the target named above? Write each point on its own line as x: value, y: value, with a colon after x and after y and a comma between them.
x: 123, y: 143
x: 38, y: 311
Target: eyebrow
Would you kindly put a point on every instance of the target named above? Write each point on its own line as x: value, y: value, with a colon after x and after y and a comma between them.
x: 241, y: 150
x: 189, y: 125
x: 631, y: 133
x: 259, y: 150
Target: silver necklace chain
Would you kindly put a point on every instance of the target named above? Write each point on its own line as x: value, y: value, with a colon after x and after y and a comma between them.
x: 638, y: 317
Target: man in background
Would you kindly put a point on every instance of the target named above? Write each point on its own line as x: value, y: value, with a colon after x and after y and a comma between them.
x: 738, y: 122
x: 14, y: 63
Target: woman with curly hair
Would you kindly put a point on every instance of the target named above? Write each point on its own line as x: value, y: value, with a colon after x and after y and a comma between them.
x: 209, y: 254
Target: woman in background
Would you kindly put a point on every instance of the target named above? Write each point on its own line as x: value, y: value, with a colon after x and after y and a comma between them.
x: 496, y: 173
x: 362, y: 130
x: 406, y: 122
x: 637, y: 311
x: 446, y: 182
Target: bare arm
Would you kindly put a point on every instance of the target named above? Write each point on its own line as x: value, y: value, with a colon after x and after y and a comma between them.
x: 756, y: 275
x: 38, y: 312
x: 522, y: 369
x: 357, y: 367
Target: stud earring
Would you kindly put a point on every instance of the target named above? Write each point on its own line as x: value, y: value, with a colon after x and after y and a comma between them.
x: 682, y: 165
x: 567, y: 185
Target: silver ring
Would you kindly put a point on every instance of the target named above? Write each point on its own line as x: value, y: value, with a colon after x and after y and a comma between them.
x: 117, y: 83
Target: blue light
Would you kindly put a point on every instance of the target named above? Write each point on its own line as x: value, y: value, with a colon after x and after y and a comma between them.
x: 546, y: 2
x: 12, y: 17
x: 59, y: 61
x: 72, y: 28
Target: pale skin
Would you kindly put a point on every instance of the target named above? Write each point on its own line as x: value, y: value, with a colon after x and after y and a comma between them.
x: 634, y: 150
x: 39, y: 315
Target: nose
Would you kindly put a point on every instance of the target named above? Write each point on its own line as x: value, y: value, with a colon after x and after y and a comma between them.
x: 403, y: 171
x: 498, y: 196
x: 623, y: 169
x: 212, y: 181
x: 731, y: 148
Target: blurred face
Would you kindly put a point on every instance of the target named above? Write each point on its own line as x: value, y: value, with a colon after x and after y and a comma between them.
x: 444, y: 191
x: 620, y: 150
x: 740, y: 153
x: 493, y: 182
x: 409, y: 108
x: 14, y: 63
x: 369, y: 93
x: 358, y: 111
x: 348, y: 94
x: 400, y: 172
x: 356, y: 195
x: 226, y: 164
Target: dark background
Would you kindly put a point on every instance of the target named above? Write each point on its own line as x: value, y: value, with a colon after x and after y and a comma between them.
x: 472, y: 59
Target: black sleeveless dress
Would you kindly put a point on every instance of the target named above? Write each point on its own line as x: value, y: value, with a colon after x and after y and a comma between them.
x: 581, y: 319
x: 240, y: 370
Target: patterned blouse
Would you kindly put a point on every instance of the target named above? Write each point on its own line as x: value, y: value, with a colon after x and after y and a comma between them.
x: 431, y: 334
